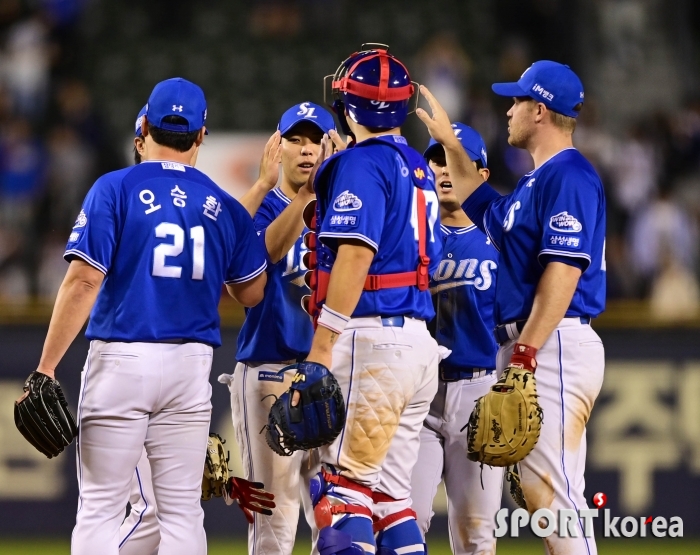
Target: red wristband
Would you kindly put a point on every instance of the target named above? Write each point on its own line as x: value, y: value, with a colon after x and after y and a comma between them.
x: 524, y: 355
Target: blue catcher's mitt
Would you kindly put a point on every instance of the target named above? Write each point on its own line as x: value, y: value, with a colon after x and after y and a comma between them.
x: 316, y: 420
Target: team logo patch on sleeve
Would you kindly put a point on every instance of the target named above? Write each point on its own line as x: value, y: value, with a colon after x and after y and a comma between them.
x: 81, y: 221
x: 74, y: 237
x: 267, y: 376
x: 345, y: 221
x: 346, y: 201
x: 565, y: 223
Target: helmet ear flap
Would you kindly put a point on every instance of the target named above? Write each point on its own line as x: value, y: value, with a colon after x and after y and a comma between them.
x: 339, y: 109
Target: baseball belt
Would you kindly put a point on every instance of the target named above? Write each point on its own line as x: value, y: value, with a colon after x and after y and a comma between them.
x: 511, y: 331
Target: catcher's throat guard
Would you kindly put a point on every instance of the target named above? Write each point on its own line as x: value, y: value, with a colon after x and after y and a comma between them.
x: 316, y: 420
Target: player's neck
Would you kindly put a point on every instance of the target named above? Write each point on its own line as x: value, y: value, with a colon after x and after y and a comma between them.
x: 362, y: 133
x: 160, y: 152
x: 454, y: 218
x: 290, y: 190
x: 544, y: 147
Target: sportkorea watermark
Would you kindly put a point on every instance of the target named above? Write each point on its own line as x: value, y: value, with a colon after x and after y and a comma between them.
x: 574, y: 524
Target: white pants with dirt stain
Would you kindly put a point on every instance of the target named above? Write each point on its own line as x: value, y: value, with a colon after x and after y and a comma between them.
x: 473, y: 492
x: 388, y: 376
x: 253, y: 391
x: 569, y: 376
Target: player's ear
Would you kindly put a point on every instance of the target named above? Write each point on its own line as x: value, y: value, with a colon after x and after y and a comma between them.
x: 144, y: 126
x: 485, y: 173
x: 200, y: 138
x: 540, y: 112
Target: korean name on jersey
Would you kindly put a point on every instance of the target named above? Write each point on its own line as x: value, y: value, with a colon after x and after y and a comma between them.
x: 167, y: 238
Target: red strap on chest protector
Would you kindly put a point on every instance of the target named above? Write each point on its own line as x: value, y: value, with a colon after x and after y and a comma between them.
x: 318, y: 280
x: 418, y: 278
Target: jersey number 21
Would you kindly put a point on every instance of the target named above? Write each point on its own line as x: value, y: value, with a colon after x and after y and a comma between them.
x: 166, y: 229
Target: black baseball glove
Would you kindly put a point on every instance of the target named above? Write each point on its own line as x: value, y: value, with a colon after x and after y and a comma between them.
x: 318, y: 418
x: 42, y: 415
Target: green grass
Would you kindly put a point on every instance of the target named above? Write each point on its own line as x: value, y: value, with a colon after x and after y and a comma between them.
x: 441, y: 547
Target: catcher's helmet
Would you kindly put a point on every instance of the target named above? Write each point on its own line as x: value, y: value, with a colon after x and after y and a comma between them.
x: 374, y: 87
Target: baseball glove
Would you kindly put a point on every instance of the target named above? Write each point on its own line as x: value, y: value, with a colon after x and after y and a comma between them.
x: 317, y: 419
x: 215, y: 468
x: 42, y: 415
x: 250, y: 496
x: 506, y: 422
x: 516, y: 489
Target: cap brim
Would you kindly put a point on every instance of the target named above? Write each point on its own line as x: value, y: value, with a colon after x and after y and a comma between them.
x: 433, y: 147
x: 508, y: 89
x: 297, y: 122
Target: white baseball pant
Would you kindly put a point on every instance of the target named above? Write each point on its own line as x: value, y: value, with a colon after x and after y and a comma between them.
x: 443, y: 456
x: 253, y: 391
x: 139, y: 534
x: 388, y: 376
x: 569, y: 375
x: 136, y: 395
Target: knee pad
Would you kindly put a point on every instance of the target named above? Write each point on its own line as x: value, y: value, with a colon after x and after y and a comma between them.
x: 337, y: 542
x: 397, y: 530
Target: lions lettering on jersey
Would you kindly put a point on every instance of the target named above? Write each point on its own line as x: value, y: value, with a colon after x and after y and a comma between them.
x: 277, y: 329
x: 556, y: 212
x: 180, y: 237
x: 463, y: 289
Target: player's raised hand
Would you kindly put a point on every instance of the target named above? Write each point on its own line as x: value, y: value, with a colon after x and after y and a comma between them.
x: 270, y: 162
x: 338, y: 142
x: 438, y: 124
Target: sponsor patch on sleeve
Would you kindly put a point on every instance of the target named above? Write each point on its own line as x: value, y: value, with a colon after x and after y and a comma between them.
x: 565, y: 223
x: 346, y: 202
x: 343, y: 220
x: 565, y: 241
x: 267, y: 376
x: 81, y: 220
x: 73, y: 237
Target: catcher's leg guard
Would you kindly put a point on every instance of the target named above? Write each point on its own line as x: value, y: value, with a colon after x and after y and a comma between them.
x: 337, y: 542
x: 337, y: 507
x: 397, y: 532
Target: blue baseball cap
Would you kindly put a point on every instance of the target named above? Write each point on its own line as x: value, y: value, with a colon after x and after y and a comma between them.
x: 306, y: 111
x: 554, y: 85
x: 139, y: 121
x: 470, y: 139
x: 177, y: 97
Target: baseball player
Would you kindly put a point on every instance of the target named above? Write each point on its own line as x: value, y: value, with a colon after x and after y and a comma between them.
x: 139, y: 533
x: 550, y: 233
x: 463, y: 290
x: 376, y: 218
x: 150, y: 249
x: 278, y: 332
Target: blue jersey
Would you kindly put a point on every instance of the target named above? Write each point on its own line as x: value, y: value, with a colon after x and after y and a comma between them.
x: 368, y: 194
x: 278, y: 328
x: 556, y: 212
x: 167, y: 238
x: 464, y: 291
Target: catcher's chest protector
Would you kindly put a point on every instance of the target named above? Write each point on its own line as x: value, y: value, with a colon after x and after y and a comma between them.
x: 319, y: 260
